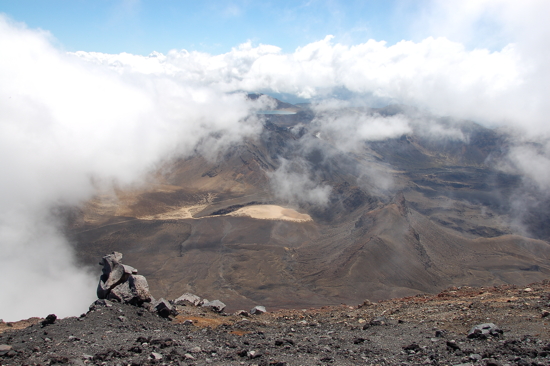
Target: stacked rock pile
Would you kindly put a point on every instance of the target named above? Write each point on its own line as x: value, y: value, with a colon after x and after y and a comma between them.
x: 121, y: 283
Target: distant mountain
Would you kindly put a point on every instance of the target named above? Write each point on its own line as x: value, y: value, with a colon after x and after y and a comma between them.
x: 400, y: 216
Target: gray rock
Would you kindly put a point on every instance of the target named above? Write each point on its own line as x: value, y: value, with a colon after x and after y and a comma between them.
x: 156, y: 356
x: 4, y: 348
x: 257, y: 310
x: 129, y: 269
x: 367, y: 303
x: 188, y: 298
x: 134, y: 291
x: 76, y: 362
x: 149, y: 306
x: 376, y: 322
x: 215, y: 305
x: 253, y: 354
x: 242, y: 313
x: 484, y: 330
x: 452, y: 345
x: 475, y: 357
x: 113, y: 274
x: 121, y: 282
x: 163, y: 308
x: 140, y: 289
x: 121, y: 293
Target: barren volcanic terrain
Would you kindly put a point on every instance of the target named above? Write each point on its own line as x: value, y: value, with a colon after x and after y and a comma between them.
x: 418, y: 330
x: 402, y: 216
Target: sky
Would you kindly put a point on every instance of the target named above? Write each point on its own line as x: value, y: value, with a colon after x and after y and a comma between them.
x: 143, y: 26
x: 98, y: 93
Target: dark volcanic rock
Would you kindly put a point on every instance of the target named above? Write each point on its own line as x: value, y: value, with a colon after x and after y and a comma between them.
x: 50, y: 319
x: 163, y: 308
x: 281, y: 337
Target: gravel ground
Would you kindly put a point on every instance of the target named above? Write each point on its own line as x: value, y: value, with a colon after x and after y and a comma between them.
x: 420, y: 330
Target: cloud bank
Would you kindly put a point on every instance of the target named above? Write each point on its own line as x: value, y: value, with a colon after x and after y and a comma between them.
x: 66, y: 124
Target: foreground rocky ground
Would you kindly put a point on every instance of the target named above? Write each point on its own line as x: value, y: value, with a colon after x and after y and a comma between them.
x: 420, y: 330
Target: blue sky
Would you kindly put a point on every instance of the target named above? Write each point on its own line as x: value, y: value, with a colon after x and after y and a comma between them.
x: 213, y: 26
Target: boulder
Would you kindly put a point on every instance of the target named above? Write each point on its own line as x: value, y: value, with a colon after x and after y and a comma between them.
x: 163, y: 308
x: 120, y: 293
x: 379, y: 321
x: 5, y: 348
x: 50, y: 319
x: 242, y: 313
x: 188, y: 298
x: 257, y: 310
x: 483, y: 331
x: 140, y: 289
x: 367, y: 303
x: 215, y: 305
x: 134, y: 291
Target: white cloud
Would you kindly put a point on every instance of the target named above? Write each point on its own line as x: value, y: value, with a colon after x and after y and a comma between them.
x: 292, y: 182
x: 532, y: 161
x: 503, y: 87
x: 64, y: 123
x: 349, y: 128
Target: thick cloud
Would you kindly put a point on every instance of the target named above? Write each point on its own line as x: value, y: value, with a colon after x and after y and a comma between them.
x: 496, y: 88
x: 505, y: 85
x: 485, y: 60
x: 67, y: 124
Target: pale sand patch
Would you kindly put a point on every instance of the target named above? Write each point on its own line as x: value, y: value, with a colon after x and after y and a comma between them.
x: 271, y: 212
x: 186, y: 212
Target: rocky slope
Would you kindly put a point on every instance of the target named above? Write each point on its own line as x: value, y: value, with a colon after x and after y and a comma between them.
x: 404, y: 216
x: 419, y: 330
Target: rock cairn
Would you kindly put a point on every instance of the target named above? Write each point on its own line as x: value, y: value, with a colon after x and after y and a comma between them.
x: 121, y: 283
